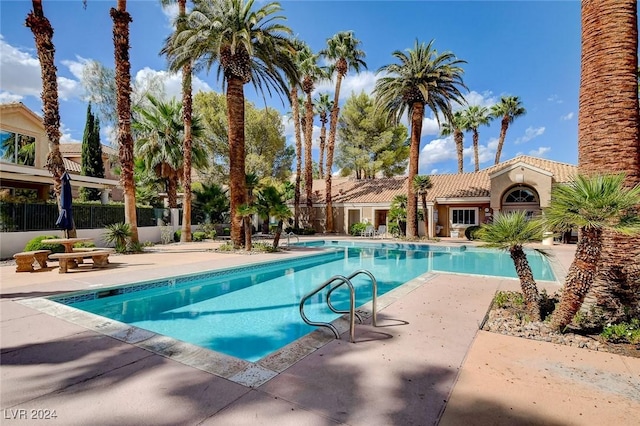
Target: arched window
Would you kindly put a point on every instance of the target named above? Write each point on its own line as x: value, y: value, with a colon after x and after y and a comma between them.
x: 520, y: 195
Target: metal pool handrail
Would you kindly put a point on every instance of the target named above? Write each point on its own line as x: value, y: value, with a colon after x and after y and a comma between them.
x: 352, y: 306
x: 289, y: 236
x: 374, y: 288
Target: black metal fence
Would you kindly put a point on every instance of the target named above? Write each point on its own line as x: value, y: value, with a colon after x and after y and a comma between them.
x: 18, y: 217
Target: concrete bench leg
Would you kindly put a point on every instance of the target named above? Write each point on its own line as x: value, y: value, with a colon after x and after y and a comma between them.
x: 24, y: 264
x: 42, y: 259
x: 63, y: 264
x: 100, y: 261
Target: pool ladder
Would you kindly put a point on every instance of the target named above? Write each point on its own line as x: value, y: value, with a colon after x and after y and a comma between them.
x: 289, y: 235
x: 334, y: 283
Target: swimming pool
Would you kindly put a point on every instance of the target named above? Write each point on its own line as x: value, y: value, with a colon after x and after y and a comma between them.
x: 252, y: 311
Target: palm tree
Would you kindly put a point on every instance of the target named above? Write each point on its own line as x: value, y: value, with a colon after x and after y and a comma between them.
x: 473, y: 117
x: 213, y: 201
x: 121, y: 19
x: 248, y: 46
x: 43, y: 36
x: 344, y: 51
x: 323, y: 106
x: 454, y: 126
x: 422, y: 78
x: 608, y: 133
x: 593, y: 204
x: 160, y: 130
x: 246, y: 211
x: 294, y: 83
x: 511, y: 231
x: 421, y: 186
x: 508, y: 109
x: 271, y: 202
x: 310, y: 72
x: 187, y: 109
x: 398, y: 215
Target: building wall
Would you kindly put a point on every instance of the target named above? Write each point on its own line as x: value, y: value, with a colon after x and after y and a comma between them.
x: 18, y: 120
x: 541, y: 182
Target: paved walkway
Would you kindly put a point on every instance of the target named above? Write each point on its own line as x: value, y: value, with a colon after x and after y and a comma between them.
x: 427, y: 364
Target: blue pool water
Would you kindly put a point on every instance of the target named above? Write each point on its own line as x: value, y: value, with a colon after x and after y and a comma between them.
x: 252, y: 311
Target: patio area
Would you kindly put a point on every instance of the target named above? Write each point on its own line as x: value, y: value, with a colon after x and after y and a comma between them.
x: 427, y: 364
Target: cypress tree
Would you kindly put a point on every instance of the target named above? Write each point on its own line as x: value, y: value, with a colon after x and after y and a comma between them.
x: 92, y: 164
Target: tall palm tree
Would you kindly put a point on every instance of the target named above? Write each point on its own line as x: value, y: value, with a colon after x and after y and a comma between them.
x: 455, y: 126
x: 344, y: 51
x: 421, y: 186
x: 511, y: 231
x: 310, y: 72
x: 593, y: 204
x: 248, y: 46
x: 323, y: 106
x: 121, y: 19
x: 187, y: 112
x: 508, y: 109
x: 422, y: 78
x: 608, y: 132
x: 43, y: 36
x: 294, y: 84
x: 159, y: 130
x: 473, y: 117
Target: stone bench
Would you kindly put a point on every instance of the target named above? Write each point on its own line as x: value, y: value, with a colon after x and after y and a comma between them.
x: 24, y: 260
x: 68, y: 261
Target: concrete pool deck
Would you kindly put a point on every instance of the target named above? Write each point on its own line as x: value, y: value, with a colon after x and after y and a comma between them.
x: 428, y: 363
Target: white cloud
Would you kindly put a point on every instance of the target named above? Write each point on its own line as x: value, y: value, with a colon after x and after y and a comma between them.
x: 540, y: 152
x: 485, y: 99
x: 172, y: 82
x: 20, y: 74
x: 438, y: 150
x: 429, y: 127
x: 289, y: 132
x: 170, y: 11
x: 65, y: 135
x: 6, y: 97
x: 530, y: 133
x: 365, y: 82
x: 567, y: 116
x: 109, y: 136
x: 555, y: 98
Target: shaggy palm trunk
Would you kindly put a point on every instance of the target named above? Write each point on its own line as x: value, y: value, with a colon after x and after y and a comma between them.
x: 608, y: 135
x: 323, y: 138
x: 333, y: 125
x: 503, y: 135
x: 476, y: 160
x: 423, y: 198
x: 43, y: 37
x: 308, y: 165
x: 579, y: 278
x: 247, y: 233
x: 527, y: 283
x: 185, y: 235
x: 172, y: 192
x: 458, y: 137
x: 276, y: 237
x: 414, y: 156
x: 121, y: 20
x: 296, y: 127
x: 237, y: 176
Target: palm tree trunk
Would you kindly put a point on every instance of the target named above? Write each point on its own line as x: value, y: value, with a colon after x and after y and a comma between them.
x: 503, y: 135
x: 459, y: 139
x: 237, y: 176
x: 121, y: 20
x: 333, y: 125
x: 185, y: 235
x: 610, y: 130
x: 247, y: 233
x: 296, y: 127
x: 475, y: 150
x: 276, y: 237
x: 43, y: 37
x: 172, y: 192
x: 323, y: 138
x: 425, y: 215
x: 579, y: 278
x: 414, y: 157
x: 527, y: 283
x: 308, y: 165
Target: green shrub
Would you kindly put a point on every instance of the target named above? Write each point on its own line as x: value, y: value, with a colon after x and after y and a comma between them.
x: 199, y: 236
x: 134, y: 247
x: 36, y: 244
x: 177, y: 235
x: 209, y: 229
x: 625, y: 332
x: 263, y: 247
x: 471, y: 232
x: 228, y: 246
x: 357, y: 228
x: 118, y: 234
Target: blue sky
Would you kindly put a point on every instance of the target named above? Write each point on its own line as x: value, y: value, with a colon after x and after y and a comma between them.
x: 529, y: 49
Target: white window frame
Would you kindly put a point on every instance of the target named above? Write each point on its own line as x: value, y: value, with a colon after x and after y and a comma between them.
x: 476, y: 210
